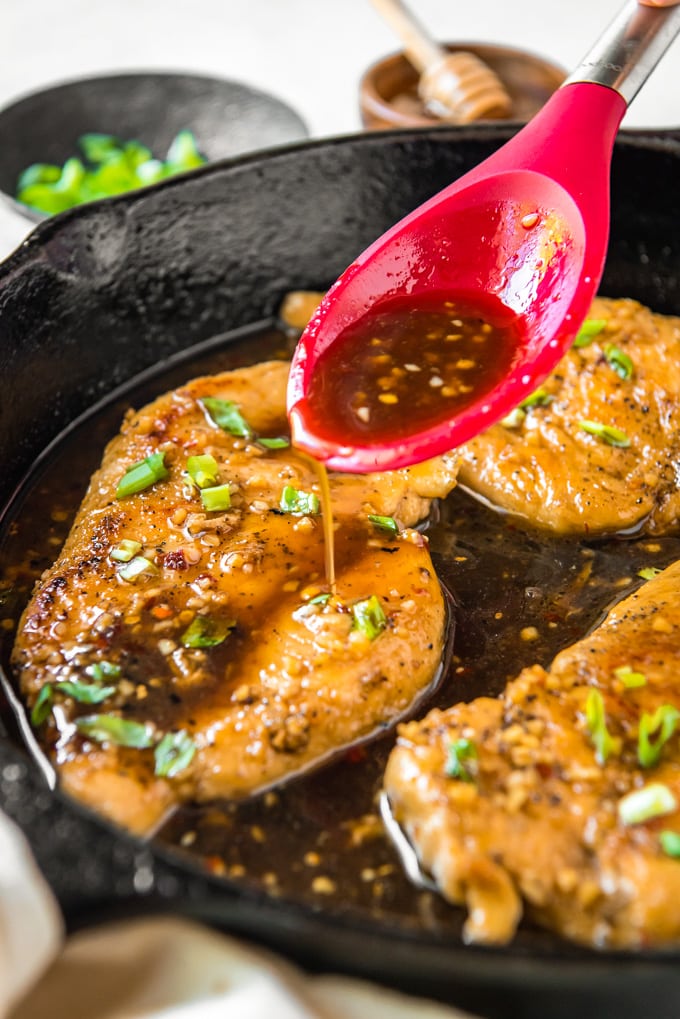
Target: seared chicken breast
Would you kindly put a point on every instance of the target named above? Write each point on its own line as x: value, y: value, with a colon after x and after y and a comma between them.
x: 186, y: 645
x: 564, y: 792
x: 596, y: 449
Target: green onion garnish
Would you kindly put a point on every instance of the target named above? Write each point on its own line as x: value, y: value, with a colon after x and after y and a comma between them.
x: 125, y: 550
x: 204, y: 631
x: 103, y: 670
x: 112, y: 729
x: 588, y: 331
x: 173, y: 754
x: 653, y: 800
x: 649, y: 572
x: 612, y: 436
x: 629, y: 678
x: 654, y: 732
x: 670, y: 843
x: 294, y: 500
x: 216, y: 499
x: 228, y: 417
x: 136, y: 568
x: 141, y: 475
x: 277, y: 443
x: 320, y: 599
x: 619, y: 361
x: 462, y: 760
x: 514, y: 419
x: 604, y: 743
x: 388, y: 524
x: 369, y: 617
x: 85, y: 693
x: 42, y: 706
x: 203, y: 470
x: 539, y: 398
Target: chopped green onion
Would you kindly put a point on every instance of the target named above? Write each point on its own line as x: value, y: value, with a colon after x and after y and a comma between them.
x: 653, y: 800
x: 670, y: 843
x: 588, y: 331
x: 97, y: 148
x: 388, y: 524
x: 649, y: 572
x: 320, y: 599
x: 136, y: 568
x: 514, y: 419
x: 141, y: 475
x: 125, y: 550
x: 43, y: 705
x: 216, y: 499
x: 539, y: 398
x: 203, y: 470
x: 654, y: 732
x: 604, y: 743
x: 85, y: 693
x: 183, y: 153
x: 462, y: 760
x: 112, y: 729
x: 228, y: 417
x: 369, y: 617
x: 630, y: 679
x: 173, y: 754
x: 103, y: 670
x: 113, y: 166
x: 38, y: 173
x: 277, y: 443
x: 619, y: 361
x: 612, y: 436
x: 294, y: 500
x: 204, y: 631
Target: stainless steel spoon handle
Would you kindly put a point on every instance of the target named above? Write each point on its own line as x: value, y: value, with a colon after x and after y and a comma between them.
x: 629, y: 49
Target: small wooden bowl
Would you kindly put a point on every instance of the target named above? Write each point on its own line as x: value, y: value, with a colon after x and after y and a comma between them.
x: 388, y: 95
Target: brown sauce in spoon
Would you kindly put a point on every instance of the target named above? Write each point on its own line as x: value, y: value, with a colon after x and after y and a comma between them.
x: 409, y: 365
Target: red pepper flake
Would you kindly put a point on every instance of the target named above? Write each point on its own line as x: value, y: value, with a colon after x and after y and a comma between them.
x: 175, y: 561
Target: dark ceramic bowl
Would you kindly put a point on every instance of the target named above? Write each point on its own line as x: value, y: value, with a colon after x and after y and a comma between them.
x: 226, y: 117
x: 109, y: 290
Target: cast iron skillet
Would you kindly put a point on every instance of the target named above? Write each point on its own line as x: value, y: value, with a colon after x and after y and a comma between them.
x: 104, y: 292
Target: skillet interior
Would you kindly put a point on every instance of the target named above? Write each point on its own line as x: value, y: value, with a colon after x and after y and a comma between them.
x: 102, y: 293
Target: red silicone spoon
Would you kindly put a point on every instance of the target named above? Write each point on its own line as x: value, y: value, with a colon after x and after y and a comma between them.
x: 527, y: 228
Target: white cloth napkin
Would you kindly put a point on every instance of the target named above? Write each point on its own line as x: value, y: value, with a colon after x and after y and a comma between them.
x: 158, y: 968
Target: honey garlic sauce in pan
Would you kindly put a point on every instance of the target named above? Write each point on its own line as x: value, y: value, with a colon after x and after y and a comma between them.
x: 520, y: 596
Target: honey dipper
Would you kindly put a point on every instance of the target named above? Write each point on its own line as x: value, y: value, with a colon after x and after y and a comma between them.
x: 458, y: 87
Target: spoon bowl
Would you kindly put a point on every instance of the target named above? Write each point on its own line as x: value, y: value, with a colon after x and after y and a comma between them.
x: 526, y: 229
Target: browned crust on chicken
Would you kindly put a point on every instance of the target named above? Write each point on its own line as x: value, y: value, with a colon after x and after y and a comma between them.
x: 292, y: 682
x: 539, y: 817
x: 549, y: 470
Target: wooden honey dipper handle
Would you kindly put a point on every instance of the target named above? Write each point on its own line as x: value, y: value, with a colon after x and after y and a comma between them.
x: 459, y: 86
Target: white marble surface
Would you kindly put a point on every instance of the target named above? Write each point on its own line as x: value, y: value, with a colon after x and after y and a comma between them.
x: 311, y: 53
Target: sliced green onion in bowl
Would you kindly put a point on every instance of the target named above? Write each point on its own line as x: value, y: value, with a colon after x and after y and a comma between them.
x: 206, y: 631
x: 173, y: 754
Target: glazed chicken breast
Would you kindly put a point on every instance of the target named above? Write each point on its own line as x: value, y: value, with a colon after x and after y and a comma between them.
x: 564, y: 792
x: 595, y: 450
x: 186, y: 646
